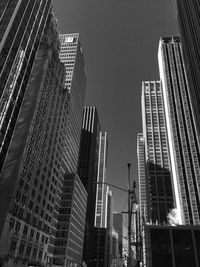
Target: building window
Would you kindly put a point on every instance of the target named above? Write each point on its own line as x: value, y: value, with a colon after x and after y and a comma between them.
x: 17, y: 226
x: 13, y: 246
x: 25, y: 229
x: 32, y: 233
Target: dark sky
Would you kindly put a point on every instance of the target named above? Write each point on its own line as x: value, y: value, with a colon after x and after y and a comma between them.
x: 120, y: 41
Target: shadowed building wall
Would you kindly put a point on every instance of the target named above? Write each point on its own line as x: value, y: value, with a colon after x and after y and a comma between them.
x: 172, y: 246
x: 87, y: 170
x: 158, y: 175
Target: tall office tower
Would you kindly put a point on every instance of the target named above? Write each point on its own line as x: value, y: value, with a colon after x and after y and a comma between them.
x: 21, y: 27
x: 158, y: 175
x: 32, y: 171
x: 72, y: 56
x: 188, y: 13
x: 101, y: 205
x: 182, y: 131
x: 142, y: 176
x: 109, y: 224
x: 87, y: 170
x: 66, y: 243
x: 88, y: 154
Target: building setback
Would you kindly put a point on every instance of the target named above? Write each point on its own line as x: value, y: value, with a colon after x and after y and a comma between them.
x: 181, y: 128
x: 158, y: 173
x: 188, y: 13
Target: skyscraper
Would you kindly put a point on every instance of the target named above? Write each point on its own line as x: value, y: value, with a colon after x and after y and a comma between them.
x: 21, y: 27
x: 158, y: 174
x: 32, y: 170
x: 88, y: 154
x: 181, y: 129
x: 142, y: 176
x: 71, y: 55
x: 67, y: 237
x: 188, y: 13
x: 101, y: 205
x: 87, y: 171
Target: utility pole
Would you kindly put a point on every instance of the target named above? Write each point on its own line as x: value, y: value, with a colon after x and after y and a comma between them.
x: 130, y: 212
x: 129, y: 217
x: 131, y: 203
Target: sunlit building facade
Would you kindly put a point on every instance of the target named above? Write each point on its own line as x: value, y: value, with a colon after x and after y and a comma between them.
x: 101, y: 204
x: 142, y: 176
x: 188, y: 13
x: 182, y: 130
x: 21, y: 27
x: 159, y: 196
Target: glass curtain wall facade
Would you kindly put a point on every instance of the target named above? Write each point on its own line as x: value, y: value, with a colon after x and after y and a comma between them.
x: 21, y: 27
x: 87, y: 170
x: 159, y: 179
x: 182, y: 132
x: 32, y: 172
x: 188, y: 13
x: 72, y: 56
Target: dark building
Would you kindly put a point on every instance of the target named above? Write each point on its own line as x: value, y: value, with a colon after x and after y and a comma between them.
x: 169, y: 246
x: 188, y: 13
x: 92, y: 172
x: 87, y: 170
x: 88, y: 155
x: 99, y: 249
x: 32, y: 171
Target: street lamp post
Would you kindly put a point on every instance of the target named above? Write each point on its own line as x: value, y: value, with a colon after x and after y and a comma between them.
x: 129, y: 217
x: 131, y: 202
